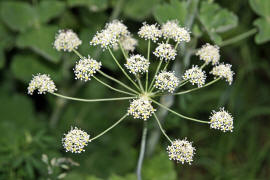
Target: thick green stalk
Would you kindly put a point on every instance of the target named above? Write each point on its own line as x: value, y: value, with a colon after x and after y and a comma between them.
x: 142, y: 151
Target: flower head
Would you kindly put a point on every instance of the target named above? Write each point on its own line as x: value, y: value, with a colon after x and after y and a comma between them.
x: 137, y: 64
x: 105, y: 38
x: 85, y: 68
x: 43, y: 83
x: 172, y: 30
x: 165, y: 51
x: 75, y: 140
x: 117, y: 28
x: 181, y: 151
x: 128, y: 43
x: 209, y: 53
x: 141, y: 108
x: 66, y: 40
x: 166, y: 81
x: 195, y: 75
x: 221, y: 120
x: 150, y: 32
x: 223, y: 71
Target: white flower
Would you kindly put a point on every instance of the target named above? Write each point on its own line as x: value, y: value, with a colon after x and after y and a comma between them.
x: 166, y: 81
x: 209, y: 53
x: 150, y: 32
x: 165, y: 51
x: 181, y: 151
x: 43, y: 83
x: 66, y: 40
x: 172, y: 30
x: 137, y: 64
x: 128, y: 43
x: 221, y: 120
x: 117, y: 28
x: 75, y: 140
x: 85, y: 68
x: 195, y: 75
x: 223, y: 71
x: 141, y: 108
x: 105, y: 39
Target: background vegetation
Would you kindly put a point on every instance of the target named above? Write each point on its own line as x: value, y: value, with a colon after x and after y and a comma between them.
x: 34, y: 125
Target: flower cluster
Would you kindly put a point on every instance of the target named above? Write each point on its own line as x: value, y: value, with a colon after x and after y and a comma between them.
x: 165, y: 51
x: 137, y: 64
x: 150, y: 32
x: 172, y: 30
x: 141, y: 108
x: 110, y: 36
x: 85, y: 68
x: 195, y: 75
x: 166, y: 81
x: 43, y: 83
x: 181, y: 151
x: 209, y: 53
x: 128, y: 43
x: 75, y: 140
x: 221, y: 120
x: 66, y: 40
x: 223, y: 71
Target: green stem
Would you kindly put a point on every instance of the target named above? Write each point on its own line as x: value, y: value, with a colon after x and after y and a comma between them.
x: 238, y: 37
x: 140, y: 83
x: 160, y: 127
x: 151, y: 87
x: 175, y: 47
x: 123, y: 51
x: 76, y: 52
x: 194, y: 89
x: 180, y: 115
x: 117, y: 81
x: 202, y: 66
x: 148, y: 58
x: 118, y: 90
x: 142, y: 151
x: 92, y: 100
x: 108, y: 129
x: 116, y: 61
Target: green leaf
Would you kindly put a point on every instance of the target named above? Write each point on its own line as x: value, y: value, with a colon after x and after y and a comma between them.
x: 261, y: 7
x: 40, y: 40
x: 139, y: 9
x: 159, y: 168
x: 50, y: 9
x: 264, y: 30
x: 19, y: 16
x: 216, y: 19
x: 24, y: 66
x: 127, y: 177
x: 93, y: 5
x: 174, y: 10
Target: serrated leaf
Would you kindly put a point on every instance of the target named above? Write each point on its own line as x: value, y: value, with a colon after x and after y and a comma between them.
x: 48, y: 10
x: 261, y: 7
x: 40, y: 40
x: 19, y: 16
x: 139, y: 9
x: 264, y: 30
x: 93, y: 5
x: 24, y: 66
x: 174, y: 10
x: 216, y: 19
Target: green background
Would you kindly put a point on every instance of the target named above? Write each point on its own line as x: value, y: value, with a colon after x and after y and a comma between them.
x: 34, y: 125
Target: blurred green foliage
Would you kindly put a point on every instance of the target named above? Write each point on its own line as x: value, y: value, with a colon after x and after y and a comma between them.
x: 34, y: 125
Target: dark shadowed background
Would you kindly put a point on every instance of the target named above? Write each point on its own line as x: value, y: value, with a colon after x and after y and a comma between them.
x: 31, y: 127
